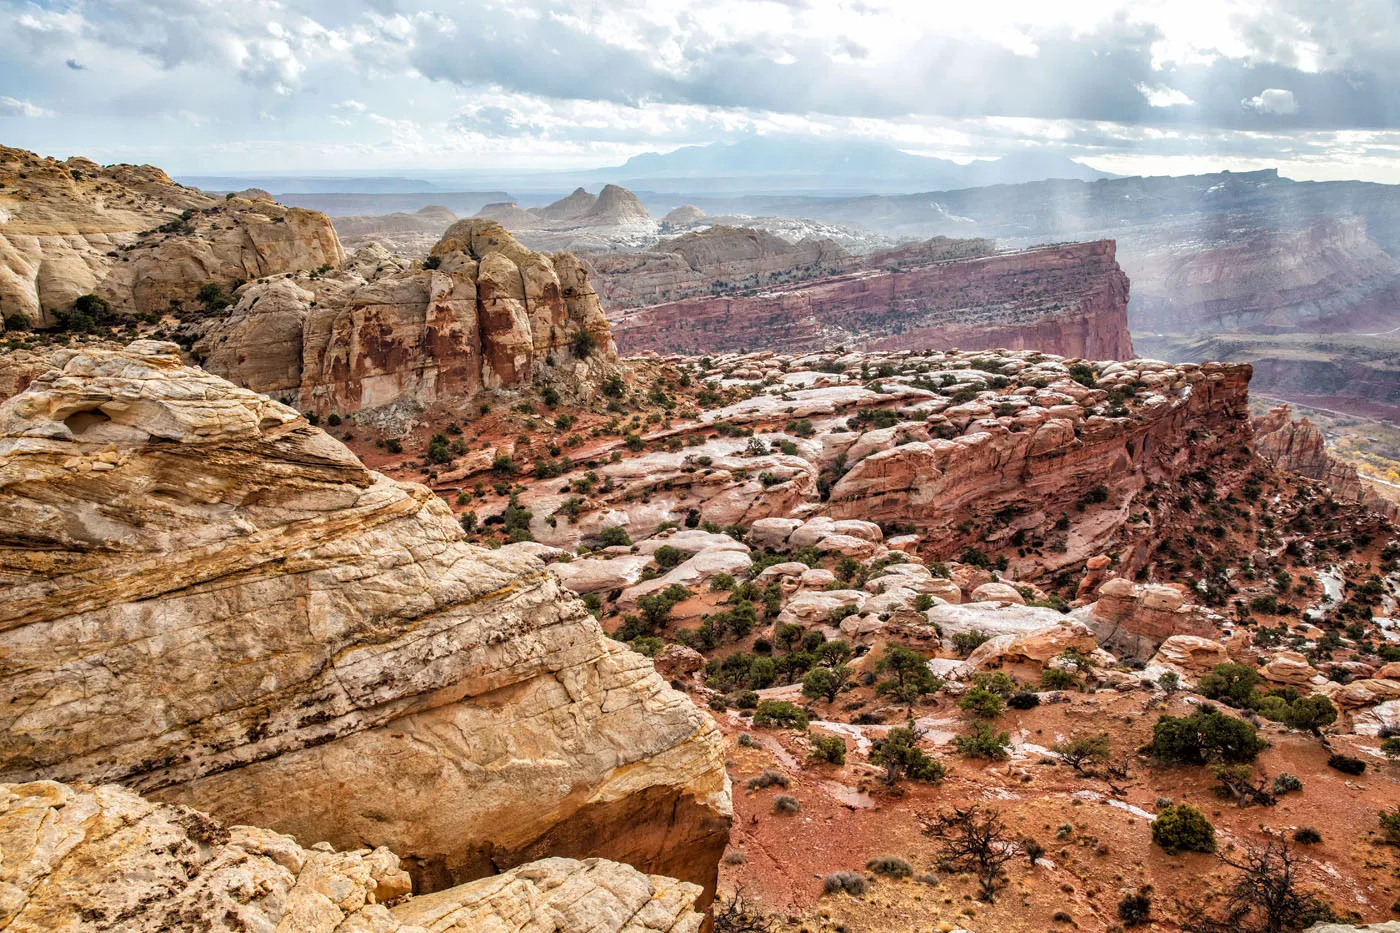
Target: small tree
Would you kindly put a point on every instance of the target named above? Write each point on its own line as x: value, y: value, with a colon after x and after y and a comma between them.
x: 831, y: 748
x: 908, y: 677
x: 982, y: 703
x: 1390, y: 825
x: 1231, y: 683
x: 982, y: 741
x: 780, y: 714
x: 736, y: 916
x: 1311, y: 714
x: 901, y: 756
x: 1265, y: 896
x: 1202, y: 738
x: 1082, y: 752
x: 825, y: 682
x: 974, y: 840
x: 1241, y: 783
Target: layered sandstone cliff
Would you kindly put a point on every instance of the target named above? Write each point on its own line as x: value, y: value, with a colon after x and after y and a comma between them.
x: 1068, y: 300
x: 102, y: 858
x: 134, y: 237
x: 1329, y: 275
x: 488, y: 314
x: 209, y: 600
x: 1299, y: 447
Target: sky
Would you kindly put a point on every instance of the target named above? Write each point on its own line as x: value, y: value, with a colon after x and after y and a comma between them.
x: 333, y: 86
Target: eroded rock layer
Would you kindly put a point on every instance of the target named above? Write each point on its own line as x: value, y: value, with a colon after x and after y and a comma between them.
x: 102, y: 858
x: 207, y: 599
x: 489, y: 313
x: 1068, y: 300
x: 1298, y: 446
x: 135, y: 238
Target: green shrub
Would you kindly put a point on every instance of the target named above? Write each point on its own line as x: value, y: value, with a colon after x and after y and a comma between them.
x: 1306, y: 835
x: 1287, y: 783
x: 830, y: 748
x: 1391, y: 747
x: 1346, y: 764
x: 779, y: 714
x: 1233, y: 684
x: 667, y: 556
x: 1183, y: 828
x: 981, y: 741
x: 615, y: 536
x: 1057, y: 678
x: 1203, y: 738
x: 900, y: 755
x: 747, y: 699
x: 982, y: 703
x: 1135, y: 909
x: 1390, y: 825
x: 769, y: 778
x: 964, y: 643
x: 1311, y: 714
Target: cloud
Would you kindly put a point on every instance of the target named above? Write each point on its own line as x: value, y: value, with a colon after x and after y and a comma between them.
x: 1273, y: 100
x: 75, y: 65
x: 9, y: 107
x: 1162, y: 96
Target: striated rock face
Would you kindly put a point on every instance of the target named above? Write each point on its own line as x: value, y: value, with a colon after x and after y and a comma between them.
x: 491, y: 314
x: 102, y: 858
x: 698, y: 262
x: 1327, y: 276
x: 136, y: 238
x: 1299, y: 447
x: 1068, y: 300
x: 208, y: 600
x: 1044, y: 459
x: 1133, y: 620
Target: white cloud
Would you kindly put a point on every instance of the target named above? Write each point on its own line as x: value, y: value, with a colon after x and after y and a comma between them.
x: 1163, y: 96
x: 351, y: 104
x: 9, y: 107
x: 1273, y: 100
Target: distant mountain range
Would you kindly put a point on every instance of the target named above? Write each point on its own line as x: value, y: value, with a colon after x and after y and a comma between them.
x: 773, y: 164
x: 756, y: 165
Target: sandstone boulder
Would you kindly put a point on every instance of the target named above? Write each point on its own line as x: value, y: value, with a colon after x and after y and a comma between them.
x: 998, y: 592
x: 209, y: 600
x: 1290, y: 667
x: 101, y: 858
x: 1189, y: 656
x: 1133, y: 620
x: 992, y: 618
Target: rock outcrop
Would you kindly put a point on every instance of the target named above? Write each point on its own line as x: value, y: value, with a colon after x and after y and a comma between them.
x: 1068, y: 300
x: 102, y: 858
x: 717, y: 257
x: 206, y: 599
x: 1133, y: 620
x: 135, y: 238
x: 1299, y: 447
x: 614, y: 219
x: 489, y: 314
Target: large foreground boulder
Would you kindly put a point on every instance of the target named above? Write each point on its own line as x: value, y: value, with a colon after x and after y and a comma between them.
x: 102, y: 858
x: 207, y: 599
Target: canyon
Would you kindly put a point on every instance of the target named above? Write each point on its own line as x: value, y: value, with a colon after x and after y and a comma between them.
x: 1070, y: 300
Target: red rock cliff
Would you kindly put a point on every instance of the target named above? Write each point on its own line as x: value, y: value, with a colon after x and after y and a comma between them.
x: 1069, y: 300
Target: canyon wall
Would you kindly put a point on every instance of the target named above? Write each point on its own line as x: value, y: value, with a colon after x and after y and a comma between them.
x: 1327, y: 276
x: 208, y: 600
x: 1299, y: 447
x: 1068, y: 300
x: 135, y: 238
x: 488, y: 313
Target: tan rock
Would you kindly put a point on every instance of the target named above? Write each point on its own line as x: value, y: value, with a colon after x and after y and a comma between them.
x: 1189, y: 655
x: 263, y: 627
x: 1289, y: 667
x: 998, y: 592
x: 675, y: 661
x: 84, y: 859
x: 1133, y: 619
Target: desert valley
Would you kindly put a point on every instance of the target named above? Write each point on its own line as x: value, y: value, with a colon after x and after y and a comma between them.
x: 753, y: 537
